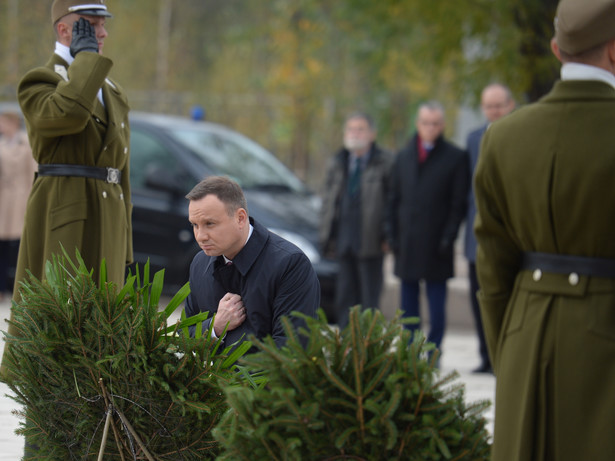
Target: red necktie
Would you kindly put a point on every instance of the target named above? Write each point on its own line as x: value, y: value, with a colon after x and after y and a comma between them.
x: 422, y: 152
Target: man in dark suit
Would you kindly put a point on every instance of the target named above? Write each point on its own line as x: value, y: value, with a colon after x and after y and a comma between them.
x: 429, y: 187
x: 247, y: 276
x: 496, y: 101
x: 546, y: 252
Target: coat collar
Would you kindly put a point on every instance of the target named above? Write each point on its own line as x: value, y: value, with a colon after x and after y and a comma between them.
x: 372, y: 155
x: 247, y: 256
x: 579, y: 90
x: 412, y: 145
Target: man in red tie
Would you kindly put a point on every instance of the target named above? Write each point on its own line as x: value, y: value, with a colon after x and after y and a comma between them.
x: 429, y: 186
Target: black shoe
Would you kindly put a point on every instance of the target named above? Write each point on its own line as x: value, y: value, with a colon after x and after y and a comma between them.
x: 483, y: 368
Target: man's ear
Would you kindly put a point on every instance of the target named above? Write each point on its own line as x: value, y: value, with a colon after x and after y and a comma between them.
x: 610, y: 47
x: 555, y: 49
x: 63, y: 32
x: 242, y: 217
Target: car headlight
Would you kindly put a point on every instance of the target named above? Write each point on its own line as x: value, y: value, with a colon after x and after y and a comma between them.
x: 304, y: 244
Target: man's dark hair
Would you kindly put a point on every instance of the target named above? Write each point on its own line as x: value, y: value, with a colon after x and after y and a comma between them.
x: 227, y: 191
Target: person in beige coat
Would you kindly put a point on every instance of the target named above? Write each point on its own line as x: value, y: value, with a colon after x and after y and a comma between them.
x: 546, y: 253
x: 77, y: 123
x: 17, y: 169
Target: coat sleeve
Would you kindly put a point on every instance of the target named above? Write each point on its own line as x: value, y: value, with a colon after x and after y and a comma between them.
x: 197, y: 295
x: 128, y: 204
x: 388, y: 158
x: 393, y: 198
x: 458, y: 201
x: 498, y: 256
x: 298, y: 290
x: 328, y: 211
x: 62, y: 108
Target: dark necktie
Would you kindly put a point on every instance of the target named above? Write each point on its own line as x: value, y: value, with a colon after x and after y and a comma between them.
x: 354, y: 181
x: 228, y: 276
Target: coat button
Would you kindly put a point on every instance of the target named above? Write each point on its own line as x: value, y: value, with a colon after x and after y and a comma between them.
x: 537, y: 275
x: 104, y: 194
x: 573, y: 279
x: 125, y: 150
x: 123, y: 125
x: 121, y: 196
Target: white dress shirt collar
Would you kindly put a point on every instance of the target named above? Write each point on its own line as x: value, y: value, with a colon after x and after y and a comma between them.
x: 226, y: 260
x: 64, y: 52
x: 577, y: 71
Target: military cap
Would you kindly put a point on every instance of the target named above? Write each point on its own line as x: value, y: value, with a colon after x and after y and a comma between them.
x: 61, y: 8
x: 583, y: 24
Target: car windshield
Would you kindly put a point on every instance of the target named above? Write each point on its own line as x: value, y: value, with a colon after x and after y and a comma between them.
x: 236, y: 156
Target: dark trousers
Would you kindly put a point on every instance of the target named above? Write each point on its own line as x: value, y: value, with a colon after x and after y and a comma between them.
x: 436, y: 297
x: 359, y: 281
x: 482, y: 344
x: 8, y: 261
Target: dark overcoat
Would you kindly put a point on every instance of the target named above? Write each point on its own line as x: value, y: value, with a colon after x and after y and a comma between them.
x: 544, y: 183
x: 426, y: 206
x: 276, y: 278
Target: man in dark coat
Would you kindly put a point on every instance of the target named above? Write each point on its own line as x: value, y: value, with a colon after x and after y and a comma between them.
x: 246, y: 276
x: 353, y: 214
x: 429, y: 187
x: 546, y: 253
x: 496, y: 102
x: 77, y: 122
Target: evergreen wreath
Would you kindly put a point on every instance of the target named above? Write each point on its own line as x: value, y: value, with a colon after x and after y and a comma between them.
x: 100, y: 374
x: 369, y: 392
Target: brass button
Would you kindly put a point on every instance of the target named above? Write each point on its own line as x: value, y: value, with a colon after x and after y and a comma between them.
x: 537, y: 275
x: 573, y: 279
x: 125, y: 150
x: 104, y: 194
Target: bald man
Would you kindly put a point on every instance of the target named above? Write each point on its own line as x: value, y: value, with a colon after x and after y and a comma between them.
x: 496, y: 101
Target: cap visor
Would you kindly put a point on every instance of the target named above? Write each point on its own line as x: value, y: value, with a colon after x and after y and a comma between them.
x: 93, y: 12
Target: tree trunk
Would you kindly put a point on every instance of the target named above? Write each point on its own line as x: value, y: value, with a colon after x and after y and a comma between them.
x: 164, y: 34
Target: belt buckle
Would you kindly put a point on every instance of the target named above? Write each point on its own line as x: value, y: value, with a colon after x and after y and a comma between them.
x: 113, y: 175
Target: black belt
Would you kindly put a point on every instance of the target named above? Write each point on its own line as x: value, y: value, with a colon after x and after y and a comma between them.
x: 109, y: 175
x: 566, y: 264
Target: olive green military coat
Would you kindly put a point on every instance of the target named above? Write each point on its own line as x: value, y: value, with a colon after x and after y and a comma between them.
x: 545, y: 183
x: 67, y: 124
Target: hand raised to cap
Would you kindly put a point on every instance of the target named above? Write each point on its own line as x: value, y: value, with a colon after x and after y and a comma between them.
x: 84, y: 38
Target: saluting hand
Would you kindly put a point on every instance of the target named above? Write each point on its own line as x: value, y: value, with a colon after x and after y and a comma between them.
x: 84, y: 38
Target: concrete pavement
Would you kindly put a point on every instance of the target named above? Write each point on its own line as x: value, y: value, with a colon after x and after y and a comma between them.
x: 459, y: 352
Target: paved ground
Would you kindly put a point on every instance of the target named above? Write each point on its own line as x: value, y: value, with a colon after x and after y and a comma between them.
x: 459, y: 352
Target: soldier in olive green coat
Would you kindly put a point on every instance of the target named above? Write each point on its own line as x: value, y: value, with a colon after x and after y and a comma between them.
x: 77, y: 122
x: 546, y: 253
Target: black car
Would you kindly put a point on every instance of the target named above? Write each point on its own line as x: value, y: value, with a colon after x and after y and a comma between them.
x: 169, y: 155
